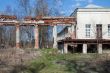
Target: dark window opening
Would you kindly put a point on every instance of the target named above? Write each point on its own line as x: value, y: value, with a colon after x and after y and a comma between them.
x: 71, y: 49
x: 106, y: 48
x: 75, y: 49
x: 92, y: 48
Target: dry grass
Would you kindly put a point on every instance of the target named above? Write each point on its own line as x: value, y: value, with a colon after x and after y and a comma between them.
x: 50, y: 61
x: 10, y: 58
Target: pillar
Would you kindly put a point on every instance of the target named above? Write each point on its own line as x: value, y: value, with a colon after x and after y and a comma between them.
x: 36, y: 33
x: 99, y: 47
x: 65, y: 48
x: 17, y: 36
x: 84, y: 48
x: 72, y: 32
x: 55, y: 36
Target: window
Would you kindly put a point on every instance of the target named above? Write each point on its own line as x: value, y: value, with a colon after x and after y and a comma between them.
x: 108, y: 29
x: 88, y: 27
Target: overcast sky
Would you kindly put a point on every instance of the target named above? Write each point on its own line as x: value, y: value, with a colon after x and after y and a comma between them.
x: 66, y: 7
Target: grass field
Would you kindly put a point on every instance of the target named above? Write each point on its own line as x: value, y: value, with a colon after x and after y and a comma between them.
x: 50, y: 61
x: 53, y: 62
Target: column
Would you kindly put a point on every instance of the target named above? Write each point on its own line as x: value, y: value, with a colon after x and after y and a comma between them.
x: 84, y: 48
x: 99, y: 47
x: 17, y: 36
x: 36, y: 33
x: 65, y: 48
x: 55, y: 36
x: 72, y: 31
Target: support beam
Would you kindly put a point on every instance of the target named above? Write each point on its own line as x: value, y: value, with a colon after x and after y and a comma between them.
x: 84, y: 48
x: 17, y: 36
x: 55, y: 36
x: 65, y: 48
x: 36, y: 33
x: 99, y: 48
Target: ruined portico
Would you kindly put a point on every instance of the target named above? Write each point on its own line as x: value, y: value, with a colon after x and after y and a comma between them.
x: 36, y: 22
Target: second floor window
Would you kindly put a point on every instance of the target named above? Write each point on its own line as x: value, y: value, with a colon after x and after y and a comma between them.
x: 88, y: 28
x: 108, y: 29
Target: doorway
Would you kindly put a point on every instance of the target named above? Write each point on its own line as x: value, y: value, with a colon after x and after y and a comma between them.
x: 99, y: 31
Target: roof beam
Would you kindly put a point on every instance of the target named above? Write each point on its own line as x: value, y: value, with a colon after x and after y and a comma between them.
x: 38, y: 20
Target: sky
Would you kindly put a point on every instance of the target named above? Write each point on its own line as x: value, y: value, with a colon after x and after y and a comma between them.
x: 66, y: 7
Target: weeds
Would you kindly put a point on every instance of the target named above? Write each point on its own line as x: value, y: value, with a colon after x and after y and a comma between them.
x: 50, y: 61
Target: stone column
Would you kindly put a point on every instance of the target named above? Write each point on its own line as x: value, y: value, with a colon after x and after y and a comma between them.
x: 36, y: 33
x: 55, y: 36
x: 17, y: 36
x: 65, y: 48
x: 99, y: 48
x: 84, y: 48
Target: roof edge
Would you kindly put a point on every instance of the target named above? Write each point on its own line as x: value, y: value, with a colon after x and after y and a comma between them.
x: 76, y: 10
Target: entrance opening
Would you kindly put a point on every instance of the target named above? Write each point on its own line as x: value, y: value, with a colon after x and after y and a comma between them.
x: 71, y: 49
x: 75, y: 49
x: 92, y: 48
x: 106, y: 48
x: 79, y: 48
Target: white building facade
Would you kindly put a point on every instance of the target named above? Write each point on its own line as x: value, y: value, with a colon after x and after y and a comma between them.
x: 93, y: 23
x: 92, y: 28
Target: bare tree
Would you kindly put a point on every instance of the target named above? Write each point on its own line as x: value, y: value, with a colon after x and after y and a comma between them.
x: 41, y: 8
x: 24, y: 7
x: 8, y: 10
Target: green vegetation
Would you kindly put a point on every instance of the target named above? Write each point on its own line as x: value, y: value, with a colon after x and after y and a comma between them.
x: 53, y: 62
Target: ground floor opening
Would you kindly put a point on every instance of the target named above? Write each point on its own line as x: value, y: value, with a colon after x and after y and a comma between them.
x: 106, y: 48
x: 91, y: 48
x: 86, y: 46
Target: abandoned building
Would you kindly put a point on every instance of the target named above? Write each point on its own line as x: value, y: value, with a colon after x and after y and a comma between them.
x: 86, y: 30
x: 90, y: 33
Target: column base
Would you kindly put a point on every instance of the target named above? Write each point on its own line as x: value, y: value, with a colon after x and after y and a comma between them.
x: 17, y: 45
